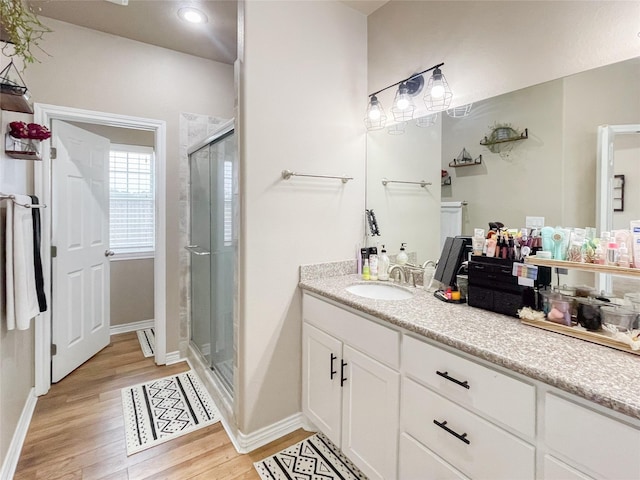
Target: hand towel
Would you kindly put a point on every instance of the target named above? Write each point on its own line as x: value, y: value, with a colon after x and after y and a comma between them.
x: 22, y: 298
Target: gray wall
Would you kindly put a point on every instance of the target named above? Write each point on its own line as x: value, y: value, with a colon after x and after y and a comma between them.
x: 131, y: 291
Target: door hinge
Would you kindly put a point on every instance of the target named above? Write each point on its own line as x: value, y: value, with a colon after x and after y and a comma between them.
x: 53, y: 153
x: 54, y: 349
x: 54, y: 251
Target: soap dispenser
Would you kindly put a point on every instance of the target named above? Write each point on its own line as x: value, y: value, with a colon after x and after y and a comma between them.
x: 383, y: 265
x: 402, y: 258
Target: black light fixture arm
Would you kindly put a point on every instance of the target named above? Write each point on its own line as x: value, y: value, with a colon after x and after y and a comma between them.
x: 406, y: 79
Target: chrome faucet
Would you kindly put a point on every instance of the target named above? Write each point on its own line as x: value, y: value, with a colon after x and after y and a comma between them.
x: 402, y: 277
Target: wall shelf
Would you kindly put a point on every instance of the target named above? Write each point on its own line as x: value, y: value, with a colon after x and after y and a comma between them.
x: 495, y: 142
x: 585, y: 267
x: 456, y: 164
x: 14, y: 96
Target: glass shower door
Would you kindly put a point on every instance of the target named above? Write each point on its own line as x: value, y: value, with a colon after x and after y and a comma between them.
x: 200, y: 249
x: 213, y: 171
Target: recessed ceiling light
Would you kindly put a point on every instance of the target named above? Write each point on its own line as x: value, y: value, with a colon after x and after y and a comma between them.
x: 192, y: 15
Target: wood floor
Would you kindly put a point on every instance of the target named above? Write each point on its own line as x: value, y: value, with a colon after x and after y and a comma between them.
x: 77, y: 430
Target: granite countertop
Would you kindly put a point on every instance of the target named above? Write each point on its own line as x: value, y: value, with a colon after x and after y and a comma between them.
x: 600, y: 374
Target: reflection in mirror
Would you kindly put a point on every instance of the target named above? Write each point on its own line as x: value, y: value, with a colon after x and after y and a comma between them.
x: 618, y: 158
x: 552, y: 174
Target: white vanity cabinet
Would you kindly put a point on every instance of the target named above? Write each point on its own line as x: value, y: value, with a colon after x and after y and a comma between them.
x: 457, y: 410
x: 591, y: 441
x: 351, y: 384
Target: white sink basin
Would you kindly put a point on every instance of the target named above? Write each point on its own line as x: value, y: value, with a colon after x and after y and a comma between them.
x: 379, y: 291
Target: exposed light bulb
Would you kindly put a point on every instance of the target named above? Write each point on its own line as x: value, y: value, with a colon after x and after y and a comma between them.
x: 437, y: 91
x: 402, y: 103
x: 374, y: 113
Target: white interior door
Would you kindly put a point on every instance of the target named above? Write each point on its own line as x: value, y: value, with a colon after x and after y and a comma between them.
x: 80, y: 233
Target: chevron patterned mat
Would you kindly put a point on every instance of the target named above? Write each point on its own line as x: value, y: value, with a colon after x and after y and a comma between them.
x: 315, y: 458
x: 147, y: 339
x: 161, y: 410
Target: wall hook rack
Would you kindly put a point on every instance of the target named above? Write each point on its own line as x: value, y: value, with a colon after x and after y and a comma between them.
x: 287, y: 174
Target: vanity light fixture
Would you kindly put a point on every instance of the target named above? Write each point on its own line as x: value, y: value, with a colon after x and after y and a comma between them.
x: 192, y: 15
x: 461, y: 111
x: 403, y: 105
x: 439, y: 95
x: 427, y: 120
x: 376, y: 118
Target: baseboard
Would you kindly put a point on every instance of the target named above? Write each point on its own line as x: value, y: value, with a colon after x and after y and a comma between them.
x: 249, y: 442
x: 131, y: 327
x: 173, y: 357
x: 15, y: 447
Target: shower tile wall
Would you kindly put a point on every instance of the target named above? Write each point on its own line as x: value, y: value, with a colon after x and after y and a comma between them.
x: 193, y: 129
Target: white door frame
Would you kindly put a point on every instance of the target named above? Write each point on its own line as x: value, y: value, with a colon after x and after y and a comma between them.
x: 43, y: 114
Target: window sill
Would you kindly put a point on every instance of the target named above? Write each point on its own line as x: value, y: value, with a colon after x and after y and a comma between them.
x: 132, y: 256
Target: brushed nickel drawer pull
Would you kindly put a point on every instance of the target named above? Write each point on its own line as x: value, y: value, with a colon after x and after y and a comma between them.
x: 464, y: 384
x: 462, y: 437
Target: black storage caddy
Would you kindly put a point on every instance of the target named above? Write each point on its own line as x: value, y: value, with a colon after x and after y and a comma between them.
x: 493, y: 287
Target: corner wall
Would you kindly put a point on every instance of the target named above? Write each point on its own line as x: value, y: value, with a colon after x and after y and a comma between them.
x: 304, y: 94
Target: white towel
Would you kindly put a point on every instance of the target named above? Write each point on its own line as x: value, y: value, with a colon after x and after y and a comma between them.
x: 22, y: 299
x: 450, y: 220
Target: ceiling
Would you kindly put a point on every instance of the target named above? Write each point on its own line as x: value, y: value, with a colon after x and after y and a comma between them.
x: 156, y: 22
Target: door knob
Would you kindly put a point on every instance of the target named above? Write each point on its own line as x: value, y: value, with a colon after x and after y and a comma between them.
x: 109, y: 253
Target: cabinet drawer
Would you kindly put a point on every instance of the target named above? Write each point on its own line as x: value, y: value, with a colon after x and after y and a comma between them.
x: 375, y: 340
x: 554, y: 469
x: 495, y: 394
x: 490, y: 453
x: 417, y: 461
x: 600, y: 443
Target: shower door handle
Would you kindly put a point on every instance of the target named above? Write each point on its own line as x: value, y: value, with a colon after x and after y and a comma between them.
x: 197, y: 250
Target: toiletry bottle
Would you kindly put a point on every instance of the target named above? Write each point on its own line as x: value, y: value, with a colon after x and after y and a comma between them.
x: 373, y: 266
x: 383, y: 265
x: 491, y: 246
x: 366, y: 275
x: 612, y: 253
x: 402, y: 258
x: 623, y: 256
x: 599, y: 253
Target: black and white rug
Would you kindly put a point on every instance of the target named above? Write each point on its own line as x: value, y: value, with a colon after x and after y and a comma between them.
x: 161, y: 410
x: 315, y: 458
x: 147, y: 339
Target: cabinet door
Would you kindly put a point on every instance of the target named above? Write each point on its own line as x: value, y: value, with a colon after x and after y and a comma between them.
x: 370, y: 406
x: 554, y: 469
x: 321, y: 392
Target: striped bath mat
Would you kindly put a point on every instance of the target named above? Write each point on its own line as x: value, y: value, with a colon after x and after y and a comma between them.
x: 311, y: 459
x: 147, y: 339
x: 161, y: 410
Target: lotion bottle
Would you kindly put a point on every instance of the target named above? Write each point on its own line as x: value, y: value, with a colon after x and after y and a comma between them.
x: 373, y: 266
x: 402, y: 258
x: 383, y: 265
x: 366, y: 274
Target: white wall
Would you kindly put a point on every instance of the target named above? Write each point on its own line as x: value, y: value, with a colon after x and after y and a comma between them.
x: 627, y: 163
x: 304, y: 94
x: 16, y: 347
x: 96, y: 71
x: 493, y: 47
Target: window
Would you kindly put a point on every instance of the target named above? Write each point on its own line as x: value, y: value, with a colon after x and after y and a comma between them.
x: 131, y: 200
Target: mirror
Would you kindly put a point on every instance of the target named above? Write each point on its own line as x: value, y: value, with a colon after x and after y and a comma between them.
x: 550, y: 174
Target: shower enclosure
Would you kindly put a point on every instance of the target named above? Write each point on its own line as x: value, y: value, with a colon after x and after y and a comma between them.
x: 213, y: 248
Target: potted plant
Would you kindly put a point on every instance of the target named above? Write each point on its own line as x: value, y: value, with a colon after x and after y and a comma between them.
x: 23, y: 140
x: 21, y: 30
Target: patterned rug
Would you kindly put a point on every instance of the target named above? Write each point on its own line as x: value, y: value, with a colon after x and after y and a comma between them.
x: 315, y: 458
x: 147, y: 339
x: 161, y: 410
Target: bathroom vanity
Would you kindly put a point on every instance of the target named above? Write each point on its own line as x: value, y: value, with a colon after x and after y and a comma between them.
x: 419, y: 389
